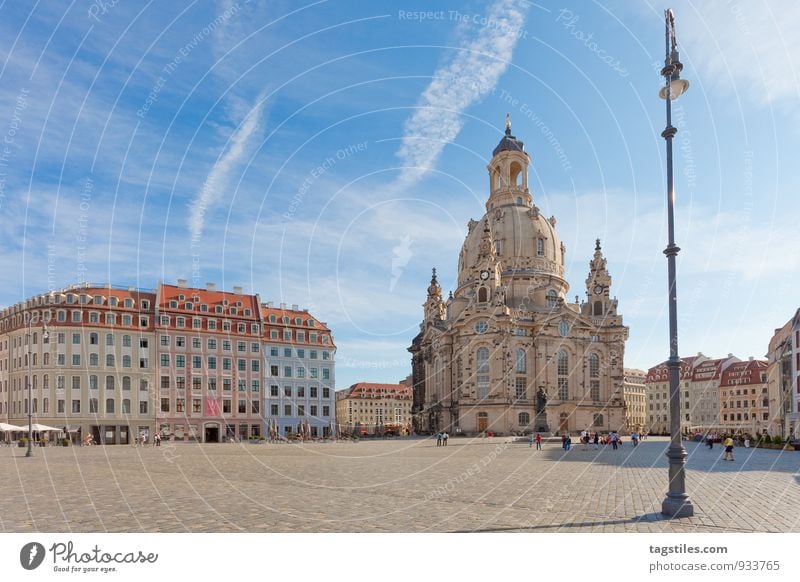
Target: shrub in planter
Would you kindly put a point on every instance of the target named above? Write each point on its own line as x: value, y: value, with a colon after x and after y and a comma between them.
x: 23, y: 442
x: 777, y: 440
x: 65, y: 442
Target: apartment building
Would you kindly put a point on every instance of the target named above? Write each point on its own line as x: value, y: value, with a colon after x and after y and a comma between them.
x: 208, y: 363
x: 369, y: 408
x: 299, y: 371
x: 88, y: 353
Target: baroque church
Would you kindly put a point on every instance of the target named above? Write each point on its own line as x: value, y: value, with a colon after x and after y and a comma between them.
x: 507, y: 351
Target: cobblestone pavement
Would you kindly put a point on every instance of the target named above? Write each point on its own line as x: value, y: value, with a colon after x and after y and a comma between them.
x: 390, y: 486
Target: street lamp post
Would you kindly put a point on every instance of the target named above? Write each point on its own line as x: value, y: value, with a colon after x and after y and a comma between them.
x: 676, y: 503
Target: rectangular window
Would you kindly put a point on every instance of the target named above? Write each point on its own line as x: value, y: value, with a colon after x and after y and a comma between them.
x: 287, y: 409
x: 226, y: 406
x: 180, y: 382
x: 226, y: 384
x: 273, y: 352
x: 520, y: 389
x: 313, y: 391
x: 197, y: 362
x: 326, y: 392
x: 287, y: 371
x: 196, y: 343
x: 212, y: 362
x: 301, y: 391
x: 326, y: 374
x: 301, y: 372
x: 164, y: 340
x: 212, y: 383
x: 165, y: 405
x: 563, y: 389
x: 180, y: 361
x: 241, y: 346
x: 273, y: 391
x: 242, y: 406
x: 165, y: 382
x: 165, y: 360
x: 287, y: 391
x: 273, y: 410
x: 595, y: 390
x: 326, y: 411
x: 180, y: 405
x: 76, y: 407
x: 197, y: 383
x: 287, y: 352
x: 196, y: 408
x: 212, y: 344
x: 254, y: 366
x: 273, y: 370
x: 241, y: 365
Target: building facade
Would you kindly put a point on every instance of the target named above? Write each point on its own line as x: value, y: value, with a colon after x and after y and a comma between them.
x: 375, y: 409
x: 209, y: 363
x: 508, y: 352
x: 783, y: 378
x: 635, y: 399
x: 657, y: 390
x: 88, y: 352
x: 744, y: 398
x: 299, y: 371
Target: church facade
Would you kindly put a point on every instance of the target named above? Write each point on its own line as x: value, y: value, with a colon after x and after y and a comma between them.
x: 507, y: 352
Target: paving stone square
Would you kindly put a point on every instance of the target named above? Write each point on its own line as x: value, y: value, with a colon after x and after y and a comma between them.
x: 402, y: 485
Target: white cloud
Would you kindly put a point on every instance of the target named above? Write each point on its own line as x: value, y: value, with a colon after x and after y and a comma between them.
x: 469, y: 76
x: 217, y: 179
x: 750, y: 49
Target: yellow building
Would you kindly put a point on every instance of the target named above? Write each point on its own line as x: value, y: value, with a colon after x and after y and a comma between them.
x: 375, y: 409
x: 633, y: 394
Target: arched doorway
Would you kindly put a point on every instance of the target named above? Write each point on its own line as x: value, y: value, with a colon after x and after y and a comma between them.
x: 211, y: 432
x: 563, y: 422
x: 482, y: 421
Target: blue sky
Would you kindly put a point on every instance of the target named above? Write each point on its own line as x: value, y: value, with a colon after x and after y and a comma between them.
x: 329, y: 154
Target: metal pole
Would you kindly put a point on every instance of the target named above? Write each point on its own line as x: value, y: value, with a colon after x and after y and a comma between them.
x: 30, y: 389
x: 676, y: 503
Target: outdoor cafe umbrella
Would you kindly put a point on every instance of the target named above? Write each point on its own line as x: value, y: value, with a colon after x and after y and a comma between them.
x: 9, y: 427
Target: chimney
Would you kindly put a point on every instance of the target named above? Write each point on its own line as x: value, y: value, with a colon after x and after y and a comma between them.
x: 730, y: 355
x: 182, y: 283
x: 295, y: 307
x: 237, y: 290
x: 750, y: 358
x: 283, y: 306
x: 270, y: 303
x: 211, y: 287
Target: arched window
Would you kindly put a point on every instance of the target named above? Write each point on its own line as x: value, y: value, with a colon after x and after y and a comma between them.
x: 126, y: 406
x: 93, y: 339
x: 524, y: 419
x: 482, y: 367
x: 45, y: 405
x: 597, y: 420
x: 496, y: 180
x: 516, y: 175
x: 126, y: 361
x: 521, y: 361
x: 552, y: 298
x: 46, y: 359
x: 110, y: 360
x: 126, y: 382
x: 563, y: 373
x: 483, y: 295
x: 438, y: 372
x: 109, y: 406
x: 109, y: 382
x: 540, y: 246
x: 92, y: 382
x: 598, y: 308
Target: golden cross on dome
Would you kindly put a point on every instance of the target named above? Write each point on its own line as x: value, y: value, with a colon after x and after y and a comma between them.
x: 508, y: 122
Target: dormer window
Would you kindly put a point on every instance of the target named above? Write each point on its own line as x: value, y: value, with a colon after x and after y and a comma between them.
x: 196, y: 298
x: 218, y: 309
x: 173, y: 304
x: 189, y: 306
x: 204, y: 307
x: 181, y: 297
x: 113, y: 301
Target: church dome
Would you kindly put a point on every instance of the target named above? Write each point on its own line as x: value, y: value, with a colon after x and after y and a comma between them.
x: 524, y: 241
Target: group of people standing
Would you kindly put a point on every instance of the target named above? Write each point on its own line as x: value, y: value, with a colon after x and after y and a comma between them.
x: 441, y: 438
x: 727, y: 443
x: 588, y: 438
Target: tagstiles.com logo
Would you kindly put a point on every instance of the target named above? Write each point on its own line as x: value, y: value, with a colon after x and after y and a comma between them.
x: 67, y: 559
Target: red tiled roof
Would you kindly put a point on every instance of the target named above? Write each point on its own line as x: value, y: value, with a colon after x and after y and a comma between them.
x: 374, y: 390
x: 744, y: 373
x: 304, y: 315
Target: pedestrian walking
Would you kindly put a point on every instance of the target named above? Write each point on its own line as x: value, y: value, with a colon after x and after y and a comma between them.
x: 439, y: 437
x: 568, y: 443
x: 596, y: 441
x: 445, y: 436
x: 564, y: 441
x: 728, y: 444
x: 710, y: 441
x: 635, y: 438
x: 530, y: 440
x: 614, y: 440
x: 538, y: 442
x: 747, y: 442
